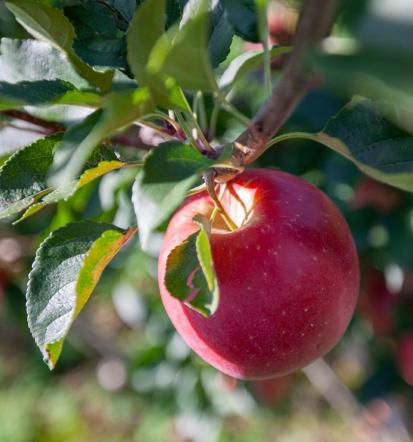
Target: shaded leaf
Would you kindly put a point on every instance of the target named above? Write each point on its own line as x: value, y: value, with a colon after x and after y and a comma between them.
x: 103, y: 51
x: 15, y: 95
x: 125, y: 8
x: 220, y: 35
x: 120, y: 109
x: 66, y: 269
x: 376, y: 146
x: 100, y: 33
x: 174, y: 11
x: 242, y: 14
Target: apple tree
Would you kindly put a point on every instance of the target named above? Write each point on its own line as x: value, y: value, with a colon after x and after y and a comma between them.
x: 157, y: 94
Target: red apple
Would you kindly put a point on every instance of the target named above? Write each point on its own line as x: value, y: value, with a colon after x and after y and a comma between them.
x: 288, y: 276
x: 405, y: 357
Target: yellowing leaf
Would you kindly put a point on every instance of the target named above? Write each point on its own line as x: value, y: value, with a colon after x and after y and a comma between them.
x: 66, y: 269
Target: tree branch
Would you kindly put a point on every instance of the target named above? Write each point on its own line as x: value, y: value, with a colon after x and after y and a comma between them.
x: 315, y: 22
x: 143, y: 138
x: 50, y: 126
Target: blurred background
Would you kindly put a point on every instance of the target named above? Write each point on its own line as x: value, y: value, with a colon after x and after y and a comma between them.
x: 125, y: 375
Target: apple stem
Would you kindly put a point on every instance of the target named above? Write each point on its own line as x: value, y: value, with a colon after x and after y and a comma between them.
x: 210, y: 186
x: 214, y: 214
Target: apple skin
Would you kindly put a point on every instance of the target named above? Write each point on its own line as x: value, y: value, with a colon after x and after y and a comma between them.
x: 288, y: 277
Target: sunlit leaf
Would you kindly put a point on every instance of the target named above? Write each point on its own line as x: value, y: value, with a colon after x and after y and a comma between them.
x: 67, y: 267
x: 190, y: 274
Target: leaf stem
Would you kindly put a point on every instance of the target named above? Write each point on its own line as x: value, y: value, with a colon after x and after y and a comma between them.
x: 267, y: 68
x: 214, y: 120
x: 201, y: 112
x: 200, y: 134
x: 263, y: 29
x: 291, y: 136
x: 184, y: 126
x: 231, y: 109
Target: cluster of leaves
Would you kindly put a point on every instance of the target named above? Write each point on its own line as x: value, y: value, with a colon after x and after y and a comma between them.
x: 127, y: 63
x: 124, y: 64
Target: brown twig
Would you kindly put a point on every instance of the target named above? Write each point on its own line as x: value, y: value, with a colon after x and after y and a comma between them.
x: 51, y: 126
x: 315, y: 22
x: 26, y: 129
x: 131, y: 137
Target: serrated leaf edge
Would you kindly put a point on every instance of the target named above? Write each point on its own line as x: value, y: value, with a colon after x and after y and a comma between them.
x: 35, y: 266
x: 12, y: 158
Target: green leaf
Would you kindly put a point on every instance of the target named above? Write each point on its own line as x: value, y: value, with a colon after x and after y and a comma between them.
x: 220, y: 35
x: 190, y: 274
x: 363, y: 135
x: 103, y: 52
x: 39, y: 92
x: 169, y: 171
x: 203, y: 250
x: 120, y: 109
x: 147, y: 26
x: 66, y: 191
x: 66, y: 269
x: 50, y: 25
x: 261, y: 9
x: 182, y: 53
x: 43, y: 22
x: 23, y: 177
x: 125, y: 8
x: 379, y: 148
x: 31, y: 60
x: 242, y: 14
x: 246, y: 62
x: 100, y: 33
x: 15, y: 95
